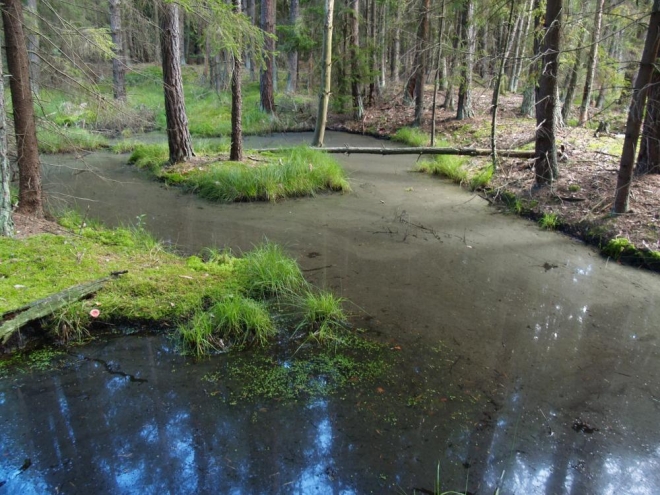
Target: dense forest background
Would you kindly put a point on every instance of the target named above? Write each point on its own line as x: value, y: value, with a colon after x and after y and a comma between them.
x: 93, y: 66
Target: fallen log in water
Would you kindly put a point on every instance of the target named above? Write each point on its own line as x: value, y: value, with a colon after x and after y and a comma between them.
x: 424, y: 150
x: 16, y: 318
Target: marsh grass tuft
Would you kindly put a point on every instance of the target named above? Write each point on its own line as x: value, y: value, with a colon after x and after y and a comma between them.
x: 267, y: 271
x: 302, y: 172
x: 412, y: 136
x: 322, y: 315
x: 549, y: 221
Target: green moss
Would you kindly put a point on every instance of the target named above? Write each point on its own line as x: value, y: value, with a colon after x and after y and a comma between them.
x: 574, y: 187
x: 619, y: 247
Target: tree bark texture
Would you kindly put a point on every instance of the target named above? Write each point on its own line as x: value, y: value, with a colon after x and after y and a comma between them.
x: 292, y: 80
x: 545, y: 165
x: 30, y: 200
x: 178, y: 134
x: 496, y: 90
x: 266, y: 82
x: 358, y: 108
x: 6, y: 223
x: 236, y: 151
x: 33, y: 42
x: 326, y: 76
x: 648, y: 160
x: 591, y: 66
x: 395, y: 61
x: 422, y: 150
x: 574, y: 72
x: 520, y: 50
x: 528, y: 105
x: 118, y: 62
x: 423, y: 34
x: 636, y: 110
x: 465, y: 110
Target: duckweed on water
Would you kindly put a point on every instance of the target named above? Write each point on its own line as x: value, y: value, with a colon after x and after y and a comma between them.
x: 310, y: 373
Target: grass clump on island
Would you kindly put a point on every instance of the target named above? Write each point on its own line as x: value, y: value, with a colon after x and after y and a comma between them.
x: 300, y: 172
x: 412, y: 136
x: 457, y: 169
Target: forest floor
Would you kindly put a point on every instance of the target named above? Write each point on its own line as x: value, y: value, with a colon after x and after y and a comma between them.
x: 583, y: 195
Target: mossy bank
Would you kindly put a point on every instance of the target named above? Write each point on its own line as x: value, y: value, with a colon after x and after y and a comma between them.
x: 209, y: 304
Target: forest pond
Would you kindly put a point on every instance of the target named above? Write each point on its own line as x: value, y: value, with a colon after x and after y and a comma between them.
x: 520, y: 358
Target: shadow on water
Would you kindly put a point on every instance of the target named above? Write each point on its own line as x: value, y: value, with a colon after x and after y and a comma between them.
x: 514, y: 351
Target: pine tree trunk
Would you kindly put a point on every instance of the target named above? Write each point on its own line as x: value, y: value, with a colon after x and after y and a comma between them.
x: 636, y: 110
x: 178, y: 134
x: 422, y: 57
x: 252, y: 14
x: 6, y: 222
x: 371, y: 100
x: 528, y: 106
x: 326, y: 76
x: 266, y: 82
x: 32, y: 24
x: 545, y: 165
x: 395, y: 62
x: 591, y: 66
x: 358, y: 109
x: 236, y: 151
x: 573, y: 79
x: 292, y: 79
x: 118, y: 65
x: 648, y: 160
x: 520, y: 50
x: 464, y: 110
x: 30, y: 199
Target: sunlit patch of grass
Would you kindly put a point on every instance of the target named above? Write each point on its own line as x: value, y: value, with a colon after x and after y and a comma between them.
x: 549, y: 221
x: 150, y: 156
x: 302, y: 172
x: 267, y: 271
x: 619, y: 247
x: 449, y: 166
x: 412, y: 136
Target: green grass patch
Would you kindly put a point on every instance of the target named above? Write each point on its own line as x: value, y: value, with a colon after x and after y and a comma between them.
x: 412, y: 136
x: 323, y: 313
x: 618, y: 248
x: 549, y: 221
x: 267, y: 271
x: 68, y: 140
x: 456, y: 168
x: 302, y: 172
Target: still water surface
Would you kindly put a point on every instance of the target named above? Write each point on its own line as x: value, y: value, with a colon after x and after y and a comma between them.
x: 522, y: 357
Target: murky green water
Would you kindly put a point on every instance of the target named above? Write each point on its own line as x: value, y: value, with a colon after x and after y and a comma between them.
x: 502, y: 368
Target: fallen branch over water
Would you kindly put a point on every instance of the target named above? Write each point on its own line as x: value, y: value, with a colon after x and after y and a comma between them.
x: 17, y: 318
x: 424, y: 150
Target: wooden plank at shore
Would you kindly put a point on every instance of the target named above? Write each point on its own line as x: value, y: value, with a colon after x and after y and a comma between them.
x: 19, y: 317
x: 424, y: 150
